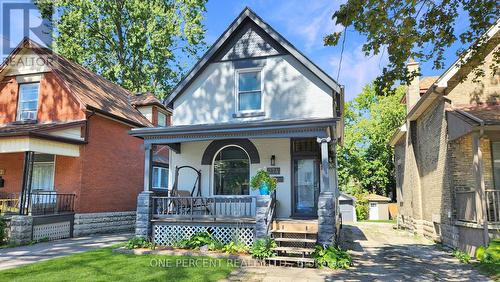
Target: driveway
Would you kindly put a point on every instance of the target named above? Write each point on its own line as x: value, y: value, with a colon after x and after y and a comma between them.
x: 380, y: 253
x: 13, y: 257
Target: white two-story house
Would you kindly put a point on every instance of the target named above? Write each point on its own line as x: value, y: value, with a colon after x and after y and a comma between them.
x: 253, y: 101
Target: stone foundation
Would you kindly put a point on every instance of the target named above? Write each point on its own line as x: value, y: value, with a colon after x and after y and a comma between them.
x: 21, y: 229
x: 106, y: 222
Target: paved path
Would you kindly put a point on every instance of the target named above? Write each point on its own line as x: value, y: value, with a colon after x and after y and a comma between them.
x: 13, y: 257
x: 380, y: 253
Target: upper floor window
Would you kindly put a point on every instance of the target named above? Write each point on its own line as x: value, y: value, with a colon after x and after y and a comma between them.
x: 28, y: 101
x: 249, y: 85
x: 162, y: 119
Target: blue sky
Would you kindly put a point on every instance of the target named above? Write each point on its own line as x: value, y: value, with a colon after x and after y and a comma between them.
x: 303, y: 23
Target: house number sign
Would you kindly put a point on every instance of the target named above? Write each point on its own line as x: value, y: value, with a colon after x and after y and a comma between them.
x: 279, y: 178
x: 274, y: 170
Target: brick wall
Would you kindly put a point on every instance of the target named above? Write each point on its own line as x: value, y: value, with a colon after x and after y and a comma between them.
x: 54, y: 102
x: 112, y: 168
x: 13, y: 165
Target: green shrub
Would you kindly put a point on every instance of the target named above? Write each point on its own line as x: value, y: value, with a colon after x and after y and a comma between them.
x: 480, y: 253
x: 3, y: 232
x: 492, y: 253
x: 139, y: 242
x: 263, y: 248
x: 361, y: 207
x: 331, y: 257
x: 198, y: 240
x: 235, y: 248
x: 462, y: 256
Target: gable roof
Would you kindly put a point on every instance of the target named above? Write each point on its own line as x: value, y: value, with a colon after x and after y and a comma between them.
x: 146, y: 99
x: 91, y: 90
x: 228, y: 34
x: 377, y: 198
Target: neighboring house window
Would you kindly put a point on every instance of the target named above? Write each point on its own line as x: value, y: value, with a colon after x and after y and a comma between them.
x: 231, y: 171
x: 28, y: 101
x: 43, y: 172
x: 162, y: 119
x: 249, y: 96
x: 496, y: 163
x: 160, y: 177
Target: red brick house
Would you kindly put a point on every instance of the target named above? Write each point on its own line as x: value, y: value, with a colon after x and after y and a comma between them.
x: 64, y: 143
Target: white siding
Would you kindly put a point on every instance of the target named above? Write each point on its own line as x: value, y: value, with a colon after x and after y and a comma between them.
x: 290, y: 92
x: 191, y: 153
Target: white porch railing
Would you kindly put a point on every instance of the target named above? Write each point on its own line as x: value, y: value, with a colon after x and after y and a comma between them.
x: 213, y: 207
x: 493, y: 205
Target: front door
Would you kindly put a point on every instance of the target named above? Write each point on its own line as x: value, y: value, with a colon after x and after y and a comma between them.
x: 305, y: 187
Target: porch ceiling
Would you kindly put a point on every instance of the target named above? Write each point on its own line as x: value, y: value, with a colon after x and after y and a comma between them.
x: 39, y: 145
x: 255, y: 129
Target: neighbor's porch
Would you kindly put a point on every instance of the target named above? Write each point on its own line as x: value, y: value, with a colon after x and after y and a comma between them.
x: 218, y: 162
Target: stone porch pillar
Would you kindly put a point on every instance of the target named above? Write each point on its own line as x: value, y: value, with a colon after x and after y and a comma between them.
x: 327, y: 200
x: 478, y: 165
x: 21, y: 229
x: 145, y: 200
x: 261, y: 210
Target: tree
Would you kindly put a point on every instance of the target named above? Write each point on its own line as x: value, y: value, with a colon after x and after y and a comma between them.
x: 419, y: 29
x: 366, y: 160
x: 141, y: 45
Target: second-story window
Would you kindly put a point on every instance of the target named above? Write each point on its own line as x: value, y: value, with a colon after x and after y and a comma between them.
x: 249, y: 86
x: 162, y: 119
x: 28, y: 101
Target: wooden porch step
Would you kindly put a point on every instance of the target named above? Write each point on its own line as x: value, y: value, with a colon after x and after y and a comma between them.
x: 291, y: 259
x: 295, y: 231
x: 295, y: 240
x: 294, y: 250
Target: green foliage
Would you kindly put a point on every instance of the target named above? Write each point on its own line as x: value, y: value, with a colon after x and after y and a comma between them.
x: 331, y: 257
x: 3, y: 233
x: 263, y: 177
x: 365, y: 160
x: 198, y: 240
x: 361, y: 207
x: 462, y: 256
x: 421, y: 29
x: 480, y: 253
x: 263, y: 248
x: 139, y: 242
x: 141, y: 45
x: 235, y: 248
x: 492, y: 253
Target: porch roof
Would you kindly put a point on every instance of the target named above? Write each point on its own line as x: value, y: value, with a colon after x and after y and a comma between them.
x: 252, y: 129
x: 41, y: 138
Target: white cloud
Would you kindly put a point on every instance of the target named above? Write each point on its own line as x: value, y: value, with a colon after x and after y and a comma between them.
x: 357, y: 69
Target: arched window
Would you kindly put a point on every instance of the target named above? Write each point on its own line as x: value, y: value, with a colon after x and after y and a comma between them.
x: 231, y: 171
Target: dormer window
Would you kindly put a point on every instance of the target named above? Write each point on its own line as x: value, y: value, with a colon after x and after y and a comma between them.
x: 249, y: 91
x: 28, y: 101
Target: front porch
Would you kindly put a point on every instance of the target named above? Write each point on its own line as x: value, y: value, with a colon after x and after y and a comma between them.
x: 215, y: 193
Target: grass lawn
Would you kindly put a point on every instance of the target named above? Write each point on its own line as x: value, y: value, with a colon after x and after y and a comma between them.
x: 104, y: 265
x: 393, y: 221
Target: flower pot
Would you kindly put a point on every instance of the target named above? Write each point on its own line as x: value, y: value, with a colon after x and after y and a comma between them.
x: 264, y: 189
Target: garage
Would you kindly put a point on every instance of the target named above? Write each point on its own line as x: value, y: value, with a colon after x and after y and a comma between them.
x: 346, y: 205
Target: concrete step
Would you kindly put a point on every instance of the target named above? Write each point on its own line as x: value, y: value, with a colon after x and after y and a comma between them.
x: 296, y: 225
x: 295, y: 240
x: 294, y: 250
x: 280, y: 259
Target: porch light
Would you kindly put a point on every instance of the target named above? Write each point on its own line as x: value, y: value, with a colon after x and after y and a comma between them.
x: 273, y: 160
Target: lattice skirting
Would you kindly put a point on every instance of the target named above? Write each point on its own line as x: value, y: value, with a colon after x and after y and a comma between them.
x: 52, y: 231
x: 169, y: 234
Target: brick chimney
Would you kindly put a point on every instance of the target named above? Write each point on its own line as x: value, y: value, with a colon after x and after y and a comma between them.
x: 413, y: 90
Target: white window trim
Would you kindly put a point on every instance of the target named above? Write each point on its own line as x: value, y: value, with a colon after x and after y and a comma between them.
x: 212, y: 171
x: 53, y: 188
x: 168, y: 177
x: 18, y: 114
x: 237, y: 92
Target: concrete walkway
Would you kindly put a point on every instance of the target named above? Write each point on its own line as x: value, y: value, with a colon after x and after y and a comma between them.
x: 17, y: 256
x: 379, y: 253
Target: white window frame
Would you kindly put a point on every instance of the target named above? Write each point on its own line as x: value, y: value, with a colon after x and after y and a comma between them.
x: 237, y: 89
x: 18, y: 114
x: 158, y: 119
x: 53, y: 175
x: 168, y: 177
